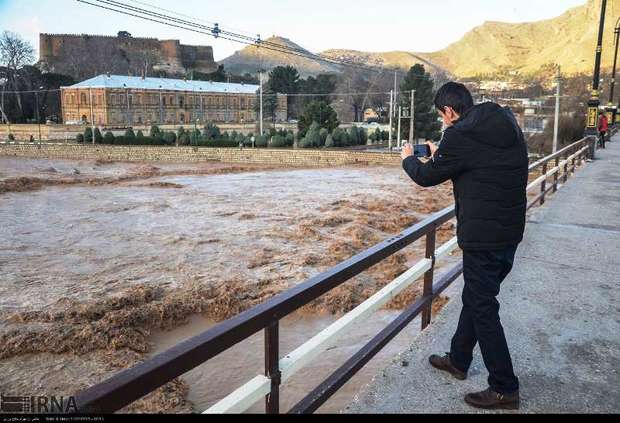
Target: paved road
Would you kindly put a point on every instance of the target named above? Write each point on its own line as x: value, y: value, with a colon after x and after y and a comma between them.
x: 560, y: 309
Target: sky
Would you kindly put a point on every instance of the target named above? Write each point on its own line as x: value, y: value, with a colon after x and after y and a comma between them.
x: 317, y: 25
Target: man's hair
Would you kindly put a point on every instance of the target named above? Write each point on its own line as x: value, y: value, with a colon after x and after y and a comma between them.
x: 454, y: 95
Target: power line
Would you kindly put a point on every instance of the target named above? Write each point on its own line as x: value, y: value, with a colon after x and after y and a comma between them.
x: 217, y: 32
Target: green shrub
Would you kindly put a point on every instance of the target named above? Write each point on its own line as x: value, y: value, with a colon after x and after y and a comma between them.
x: 323, y: 133
x: 195, y: 137
x: 278, y: 141
x: 184, y: 139
x: 211, y: 132
x: 98, y: 136
x: 170, y: 138
x: 240, y: 138
x: 313, y: 137
x: 155, y: 132
x: 88, y: 135
x: 121, y: 140
x: 130, y: 135
x: 363, y: 136
x: 329, y: 142
x: 79, y: 138
x: 261, y: 141
x: 108, y: 138
x: 248, y: 140
x: 180, y: 133
x: 290, y: 139
x: 338, y: 137
x: 354, y: 136
x: 140, y: 134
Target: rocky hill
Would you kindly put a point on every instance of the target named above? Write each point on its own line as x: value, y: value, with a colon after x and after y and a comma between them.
x: 494, y: 47
x: 568, y: 40
x: 252, y: 58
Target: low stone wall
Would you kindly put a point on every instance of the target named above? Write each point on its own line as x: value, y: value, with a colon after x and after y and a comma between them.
x: 301, y: 158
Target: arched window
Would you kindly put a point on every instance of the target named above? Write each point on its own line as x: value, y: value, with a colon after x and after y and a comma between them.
x: 83, y: 98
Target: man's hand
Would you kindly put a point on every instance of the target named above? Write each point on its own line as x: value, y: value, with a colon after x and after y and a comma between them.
x: 407, y: 151
x: 432, y: 147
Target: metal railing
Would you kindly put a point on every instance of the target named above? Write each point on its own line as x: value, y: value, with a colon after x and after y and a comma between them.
x: 564, y: 163
x: 134, y: 383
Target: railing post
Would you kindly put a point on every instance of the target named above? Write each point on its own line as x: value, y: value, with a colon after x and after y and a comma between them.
x: 272, y: 368
x: 565, y: 177
x: 428, y: 276
x: 543, y: 185
x: 555, y: 175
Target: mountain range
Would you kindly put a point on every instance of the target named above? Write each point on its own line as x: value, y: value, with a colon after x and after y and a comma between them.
x: 568, y: 40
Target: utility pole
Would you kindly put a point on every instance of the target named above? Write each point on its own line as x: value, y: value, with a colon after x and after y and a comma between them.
x: 260, y: 77
x: 161, y: 107
x: 36, y: 94
x: 391, y: 117
x: 612, y: 107
x: 396, y: 100
x: 594, y: 103
x: 412, y: 119
x: 400, y: 119
x: 558, y: 81
x: 92, y: 116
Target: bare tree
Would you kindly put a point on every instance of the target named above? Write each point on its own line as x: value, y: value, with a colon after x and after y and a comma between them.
x: 15, y: 52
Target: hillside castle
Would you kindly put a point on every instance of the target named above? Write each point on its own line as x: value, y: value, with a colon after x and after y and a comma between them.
x: 81, y: 55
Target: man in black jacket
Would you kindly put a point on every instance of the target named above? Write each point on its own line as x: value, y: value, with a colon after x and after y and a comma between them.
x: 484, y: 153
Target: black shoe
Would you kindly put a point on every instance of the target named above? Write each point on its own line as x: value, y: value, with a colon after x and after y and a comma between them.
x: 491, y: 400
x: 445, y: 363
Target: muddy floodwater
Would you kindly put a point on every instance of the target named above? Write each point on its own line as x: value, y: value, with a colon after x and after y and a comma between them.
x: 104, y: 264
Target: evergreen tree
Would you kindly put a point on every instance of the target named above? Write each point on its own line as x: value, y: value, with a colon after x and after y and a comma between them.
x: 285, y: 80
x: 270, y: 104
x: 155, y: 132
x: 427, y: 125
x: 319, y: 112
x: 98, y: 136
x: 130, y: 135
x: 108, y: 138
x: 88, y: 135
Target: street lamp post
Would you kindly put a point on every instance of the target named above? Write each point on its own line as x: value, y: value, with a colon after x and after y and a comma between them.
x: 613, y: 108
x: 594, y: 103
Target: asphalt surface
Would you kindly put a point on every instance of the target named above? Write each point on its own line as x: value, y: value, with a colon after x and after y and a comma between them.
x: 560, y: 308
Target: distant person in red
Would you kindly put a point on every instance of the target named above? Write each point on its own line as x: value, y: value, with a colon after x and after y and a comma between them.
x: 603, y: 127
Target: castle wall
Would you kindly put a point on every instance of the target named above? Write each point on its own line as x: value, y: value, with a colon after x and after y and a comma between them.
x: 59, y: 51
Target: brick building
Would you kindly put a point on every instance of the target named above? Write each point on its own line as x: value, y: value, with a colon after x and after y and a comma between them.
x: 126, y: 101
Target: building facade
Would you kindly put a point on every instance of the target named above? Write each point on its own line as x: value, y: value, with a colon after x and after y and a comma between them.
x: 112, y: 100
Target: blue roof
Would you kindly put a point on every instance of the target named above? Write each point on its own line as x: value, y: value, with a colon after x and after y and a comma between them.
x: 164, y: 84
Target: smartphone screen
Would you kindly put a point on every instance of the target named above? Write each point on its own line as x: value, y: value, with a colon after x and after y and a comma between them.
x: 421, y: 150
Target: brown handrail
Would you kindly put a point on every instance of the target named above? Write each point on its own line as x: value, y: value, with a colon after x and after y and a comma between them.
x: 129, y: 385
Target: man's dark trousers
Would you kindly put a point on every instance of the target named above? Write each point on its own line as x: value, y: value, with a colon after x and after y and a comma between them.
x: 483, y: 272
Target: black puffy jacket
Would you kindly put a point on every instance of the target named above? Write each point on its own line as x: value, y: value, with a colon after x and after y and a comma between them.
x: 485, y: 156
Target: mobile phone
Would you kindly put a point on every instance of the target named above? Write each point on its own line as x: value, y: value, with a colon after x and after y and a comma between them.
x: 421, y: 150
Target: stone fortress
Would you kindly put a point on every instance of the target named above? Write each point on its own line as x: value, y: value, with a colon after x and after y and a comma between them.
x: 60, y: 52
